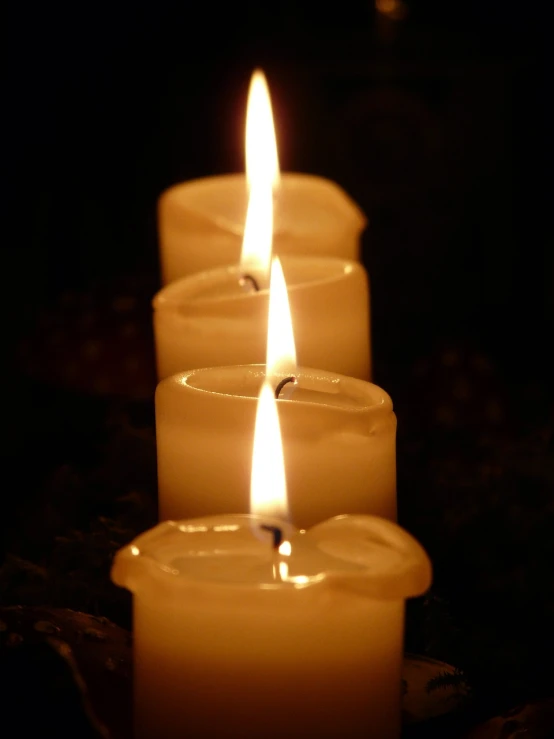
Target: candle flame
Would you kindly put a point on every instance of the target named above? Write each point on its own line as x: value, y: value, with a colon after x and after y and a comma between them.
x: 262, y: 175
x: 268, y: 486
x: 262, y: 161
x: 281, y: 350
x: 257, y: 241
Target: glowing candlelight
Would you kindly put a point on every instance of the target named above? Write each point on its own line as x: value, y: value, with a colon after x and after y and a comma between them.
x: 201, y: 222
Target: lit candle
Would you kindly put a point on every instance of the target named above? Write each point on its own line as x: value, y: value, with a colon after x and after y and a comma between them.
x: 245, y: 627
x: 339, y: 434
x: 219, y: 317
x: 207, y: 320
x: 201, y: 222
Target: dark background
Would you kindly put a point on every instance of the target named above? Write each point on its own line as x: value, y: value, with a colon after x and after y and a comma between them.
x: 437, y: 124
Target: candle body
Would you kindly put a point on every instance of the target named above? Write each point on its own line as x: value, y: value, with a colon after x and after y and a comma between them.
x: 208, y: 320
x: 224, y: 648
x: 270, y: 669
x: 339, y: 445
x: 201, y: 222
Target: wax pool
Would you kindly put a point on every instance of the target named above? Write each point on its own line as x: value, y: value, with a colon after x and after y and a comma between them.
x: 338, y: 435
x: 234, y: 640
x: 201, y: 222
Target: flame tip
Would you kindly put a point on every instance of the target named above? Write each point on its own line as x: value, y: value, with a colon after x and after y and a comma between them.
x: 262, y: 174
x: 262, y: 161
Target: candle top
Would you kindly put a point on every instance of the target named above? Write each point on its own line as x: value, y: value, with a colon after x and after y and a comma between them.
x: 367, y: 555
x: 311, y: 386
x: 225, y: 285
x: 303, y: 203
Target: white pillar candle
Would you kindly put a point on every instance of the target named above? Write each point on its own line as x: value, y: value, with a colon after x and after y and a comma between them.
x: 339, y: 433
x: 208, y: 319
x: 201, y: 222
x: 339, y: 437
x: 233, y: 639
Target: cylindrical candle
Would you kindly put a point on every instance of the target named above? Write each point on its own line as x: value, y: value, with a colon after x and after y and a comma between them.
x: 232, y: 639
x: 339, y: 437
x: 201, y: 222
x: 209, y: 319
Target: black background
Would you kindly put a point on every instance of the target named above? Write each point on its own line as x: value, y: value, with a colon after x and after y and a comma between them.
x: 438, y: 125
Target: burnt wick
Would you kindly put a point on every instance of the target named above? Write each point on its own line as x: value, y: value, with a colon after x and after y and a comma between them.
x: 276, y: 532
x: 281, y: 385
x: 249, y: 280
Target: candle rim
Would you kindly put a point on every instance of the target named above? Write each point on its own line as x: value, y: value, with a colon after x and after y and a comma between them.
x: 171, y: 298
x: 382, y: 401
x: 412, y: 580
x: 288, y: 180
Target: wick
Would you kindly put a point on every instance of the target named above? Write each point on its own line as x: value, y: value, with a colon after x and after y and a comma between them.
x: 277, y: 534
x: 282, y: 384
x: 252, y: 280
